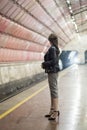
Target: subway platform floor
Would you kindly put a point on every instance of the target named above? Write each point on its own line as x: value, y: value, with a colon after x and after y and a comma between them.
x: 26, y: 110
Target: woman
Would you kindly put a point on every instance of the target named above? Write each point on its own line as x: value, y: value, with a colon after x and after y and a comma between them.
x: 51, y: 66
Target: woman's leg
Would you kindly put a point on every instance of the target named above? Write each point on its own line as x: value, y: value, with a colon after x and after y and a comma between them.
x: 55, y: 104
x: 52, y: 78
x: 56, y: 112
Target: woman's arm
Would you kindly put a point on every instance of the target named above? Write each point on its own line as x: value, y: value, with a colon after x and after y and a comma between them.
x: 52, y: 58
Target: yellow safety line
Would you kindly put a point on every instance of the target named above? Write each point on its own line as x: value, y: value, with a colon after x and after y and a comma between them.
x: 20, y: 103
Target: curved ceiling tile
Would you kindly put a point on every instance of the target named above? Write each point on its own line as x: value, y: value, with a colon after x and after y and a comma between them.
x: 43, y: 16
x: 66, y: 9
x: 78, y: 19
x: 35, y: 27
x: 22, y: 15
x: 15, y: 14
x: 3, y: 3
x: 66, y: 17
x: 13, y: 43
x: 79, y: 7
x: 18, y: 31
x: 84, y: 3
x: 83, y: 28
x: 40, y: 14
x: 45, y: 27
x: 26, y: 3
x: 82, y: 8
x: 17, y: 44
x: 19, y: 15
x: 26, y: 24
x: 7, y: 55
x: 34, y: 47
x: 53, y: 10
x: 29, y: 5
x: 3, y: 24
x: 7, y: 7
x: 62, y: 44
x: 10, y: 42
x: 54, y: 27
x: 2, y: 41
x: 75, y: 4
x: 30, y: 56
x: 33, y: 24
x: 12, y: 10
x: 84, y: 17
x: 60, y: 33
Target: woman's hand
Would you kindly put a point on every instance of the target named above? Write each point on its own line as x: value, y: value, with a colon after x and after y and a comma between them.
x: 42, y: 65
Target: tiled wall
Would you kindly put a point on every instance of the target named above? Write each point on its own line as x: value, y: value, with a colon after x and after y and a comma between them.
x: 16, y: 71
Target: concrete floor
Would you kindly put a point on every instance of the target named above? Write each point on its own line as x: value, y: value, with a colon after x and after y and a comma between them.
x: 72, y: 105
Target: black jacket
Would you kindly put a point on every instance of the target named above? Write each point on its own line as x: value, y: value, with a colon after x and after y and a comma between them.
x: 51, y: 60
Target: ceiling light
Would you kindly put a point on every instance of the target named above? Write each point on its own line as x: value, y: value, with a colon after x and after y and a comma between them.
x: 68, y: 1
x: 73, y: 22
x: 77, y: 31
x: 75, y: 26
x: 86, y: 16
x: 70, y: 7
x: 72, y: 15
x: 71, y: 11
x: 73, y: 18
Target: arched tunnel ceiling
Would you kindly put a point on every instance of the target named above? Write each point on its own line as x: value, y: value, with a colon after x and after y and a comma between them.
x: 26, y: 24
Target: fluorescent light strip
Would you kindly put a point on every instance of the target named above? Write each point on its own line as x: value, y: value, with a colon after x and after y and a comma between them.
x: 71, y: 13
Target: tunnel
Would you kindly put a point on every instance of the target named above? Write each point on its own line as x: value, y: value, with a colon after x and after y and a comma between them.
x: 24, y: 29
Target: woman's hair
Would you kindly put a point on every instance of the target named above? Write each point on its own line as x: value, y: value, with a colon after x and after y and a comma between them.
x: 53, y: 39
